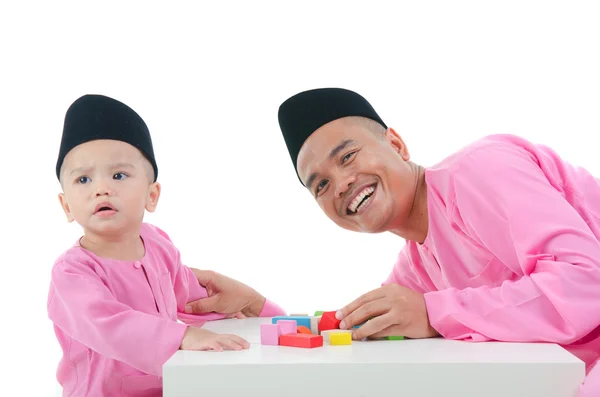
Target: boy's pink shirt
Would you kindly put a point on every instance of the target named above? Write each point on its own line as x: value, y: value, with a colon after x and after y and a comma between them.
x: 116, y: 321
x: 513, y: 248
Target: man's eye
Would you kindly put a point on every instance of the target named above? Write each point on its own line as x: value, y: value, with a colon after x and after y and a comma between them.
x: 83, y: 180
x: 347, y: 157
x: 119, y: 176
x: 321, y: 185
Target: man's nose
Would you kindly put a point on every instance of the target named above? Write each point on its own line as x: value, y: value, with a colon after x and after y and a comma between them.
x: 343, y: 184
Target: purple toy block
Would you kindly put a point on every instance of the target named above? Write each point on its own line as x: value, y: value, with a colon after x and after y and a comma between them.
x: 288, y: 326
x: 269, y: 334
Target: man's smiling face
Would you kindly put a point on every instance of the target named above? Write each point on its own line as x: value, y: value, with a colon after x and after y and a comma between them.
x: 359, y: 174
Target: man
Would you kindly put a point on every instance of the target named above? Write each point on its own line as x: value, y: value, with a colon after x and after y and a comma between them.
x: 502, y: 238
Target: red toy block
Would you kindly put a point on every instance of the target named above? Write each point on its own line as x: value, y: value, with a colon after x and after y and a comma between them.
x: 328, y: 321
x: 303, y: 330
x: 301, y: 340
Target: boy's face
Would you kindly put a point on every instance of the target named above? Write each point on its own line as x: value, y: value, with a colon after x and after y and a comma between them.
x: 107, y: 185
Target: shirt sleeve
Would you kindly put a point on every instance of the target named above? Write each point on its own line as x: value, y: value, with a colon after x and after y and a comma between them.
x: 504, y: 200
x: 271, y: 309
x: 403, y: 273
x: 188, y: 289
x: 82, y: 306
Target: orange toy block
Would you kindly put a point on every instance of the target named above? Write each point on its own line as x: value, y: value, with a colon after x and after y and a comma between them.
x: 303, y: 330
x: 328, y: 321
x: 301, y: 340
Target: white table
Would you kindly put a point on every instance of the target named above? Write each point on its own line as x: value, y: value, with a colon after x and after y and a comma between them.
x: 415, y: 368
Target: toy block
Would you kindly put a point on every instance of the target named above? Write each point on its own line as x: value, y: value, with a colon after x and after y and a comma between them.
x: 298, y: 315
x: 287, y: 326
x: 318, y: 313
x: 300, y: 320
x: 269, y: 334
x: 301, y: 340
x: 393, y: 337
x: 303, y: 330
x: 327, y: 334
x: 314, y: 325
x: 340, y: 338
x: 328, y: 321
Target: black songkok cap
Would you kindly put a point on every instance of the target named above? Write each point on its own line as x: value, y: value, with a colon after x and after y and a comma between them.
x: 304, y: 113
x: 93, y: 117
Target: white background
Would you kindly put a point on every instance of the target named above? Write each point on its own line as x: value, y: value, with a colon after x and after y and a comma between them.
x: 208, y: 79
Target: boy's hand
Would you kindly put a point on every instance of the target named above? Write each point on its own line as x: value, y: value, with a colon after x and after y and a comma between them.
x: 202, y: 339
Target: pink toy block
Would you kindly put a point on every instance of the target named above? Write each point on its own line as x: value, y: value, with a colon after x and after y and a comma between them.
x: 269, y: 334
x: 287, y: 326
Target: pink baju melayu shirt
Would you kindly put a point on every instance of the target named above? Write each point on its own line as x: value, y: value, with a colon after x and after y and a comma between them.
x: 512, y: 251
x: 116, y: 321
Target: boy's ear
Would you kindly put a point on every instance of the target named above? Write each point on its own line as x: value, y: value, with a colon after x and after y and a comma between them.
x: 153, y: 196
x: 65, y: 206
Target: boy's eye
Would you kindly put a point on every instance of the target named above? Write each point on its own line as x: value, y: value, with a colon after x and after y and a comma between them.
x: 119, y: 176
x: 321, y: 185
x: 83, y: 180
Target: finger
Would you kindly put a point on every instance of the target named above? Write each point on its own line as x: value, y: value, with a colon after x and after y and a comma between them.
x: 394, y: 330
x: 229, y: 344
x: 240, y: 341
x: 216, y: 346
x: 361, y: 300
x: 373, y: 326
x: 211, y: 346
x: 365, y: 312
x: 204, y: 305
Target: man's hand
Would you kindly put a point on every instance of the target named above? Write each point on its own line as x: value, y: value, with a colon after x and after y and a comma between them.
x: 391, y: 310
x: 226, y: 296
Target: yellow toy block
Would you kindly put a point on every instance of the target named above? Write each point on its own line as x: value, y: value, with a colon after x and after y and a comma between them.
x: 340, y: 338
x: 326, y: 334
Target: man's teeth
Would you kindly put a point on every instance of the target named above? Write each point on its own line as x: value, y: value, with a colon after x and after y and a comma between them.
x: 358, y: 199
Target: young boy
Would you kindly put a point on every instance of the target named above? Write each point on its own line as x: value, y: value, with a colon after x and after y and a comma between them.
x: 117, y: 293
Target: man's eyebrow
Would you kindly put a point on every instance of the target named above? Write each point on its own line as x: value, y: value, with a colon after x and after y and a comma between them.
x: 311, y: 179
x: 332, y: 154
x: 340, y: 147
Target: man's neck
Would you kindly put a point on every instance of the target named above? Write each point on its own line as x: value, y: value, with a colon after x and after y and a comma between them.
x: 417, y: 224
x: 124, y: 246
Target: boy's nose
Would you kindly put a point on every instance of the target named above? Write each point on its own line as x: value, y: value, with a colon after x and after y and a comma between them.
x: 103, y: 190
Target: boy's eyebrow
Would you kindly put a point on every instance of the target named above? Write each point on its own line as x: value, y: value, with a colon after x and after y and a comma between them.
x: 117, y: 165
x: 123, y: 165
x: 79, y: 170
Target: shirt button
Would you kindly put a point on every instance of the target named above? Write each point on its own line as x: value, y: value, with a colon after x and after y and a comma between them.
x: 137, y: 264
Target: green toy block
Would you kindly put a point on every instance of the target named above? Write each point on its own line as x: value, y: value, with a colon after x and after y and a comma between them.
x: 318, y: 313
x: 394, y: 337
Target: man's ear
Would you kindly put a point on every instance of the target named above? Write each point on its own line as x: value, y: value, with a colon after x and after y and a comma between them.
x: 153, y: 196
x: 65, y: 206
x: 394, y: 139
